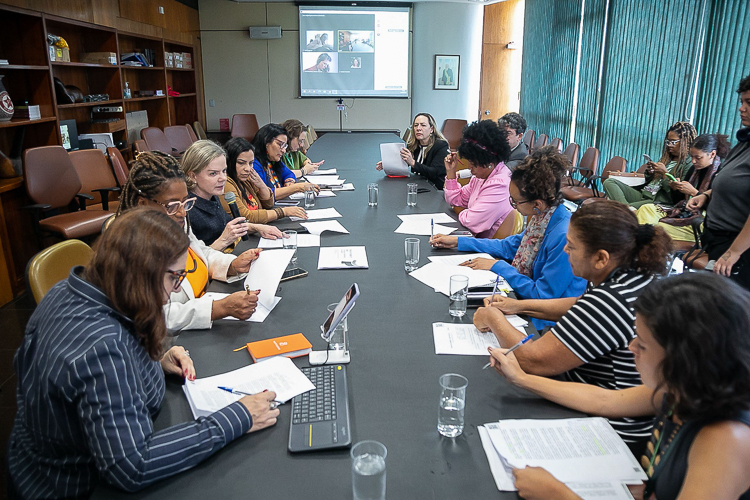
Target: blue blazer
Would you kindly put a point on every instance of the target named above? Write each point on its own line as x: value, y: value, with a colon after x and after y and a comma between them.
x: 552, y: 276
x: 282, y: 172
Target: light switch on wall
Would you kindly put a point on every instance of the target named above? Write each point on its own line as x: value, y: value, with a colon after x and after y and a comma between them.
x: 161, y: 10
x: 211, y: 103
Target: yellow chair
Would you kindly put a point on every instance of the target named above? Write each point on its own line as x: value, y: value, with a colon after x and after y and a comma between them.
x: 513, y: 224
x: 53, y: 265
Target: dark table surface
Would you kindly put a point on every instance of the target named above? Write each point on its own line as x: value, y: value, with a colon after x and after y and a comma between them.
x: 393, y: 374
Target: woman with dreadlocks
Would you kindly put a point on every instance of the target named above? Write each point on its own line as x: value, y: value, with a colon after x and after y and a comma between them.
x: 662, y: 177
x: 156, y: 180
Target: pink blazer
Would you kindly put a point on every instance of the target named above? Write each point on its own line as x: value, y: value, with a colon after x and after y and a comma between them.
x: 487, y: 202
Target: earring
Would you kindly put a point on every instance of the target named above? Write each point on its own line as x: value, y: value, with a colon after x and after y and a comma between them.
x: 536, y: 210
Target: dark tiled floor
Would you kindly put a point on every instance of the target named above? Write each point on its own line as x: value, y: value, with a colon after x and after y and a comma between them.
x: 13, y: 319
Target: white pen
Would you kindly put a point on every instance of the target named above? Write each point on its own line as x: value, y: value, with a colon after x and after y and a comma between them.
x: 515, y: 346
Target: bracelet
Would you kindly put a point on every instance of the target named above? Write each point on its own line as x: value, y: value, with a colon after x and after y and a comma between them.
x: 708, y: 196
x: 279, y: 213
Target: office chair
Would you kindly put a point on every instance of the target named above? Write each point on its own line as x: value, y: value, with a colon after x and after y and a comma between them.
x: 119, y: 166
x: 53, y: 264
x: 179, y: 137
x: 97, y: 179
x: 245, y: 125
x: 199, y: 130
x: 512, y: 224
x: 157, y: 141
x: 453, y: 131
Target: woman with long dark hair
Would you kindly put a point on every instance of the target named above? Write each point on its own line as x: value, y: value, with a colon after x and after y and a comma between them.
x: 270, y: 143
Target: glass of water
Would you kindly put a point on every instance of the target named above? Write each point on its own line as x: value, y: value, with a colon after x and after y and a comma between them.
x: 372, y: 195
x: 368, y: 470
x: 411, y: 253
x: 309, y: 197
x: 452, y: 404
x: 339, y: 337
x: 411, y: 194
x: 459, y: 288
x: 290, y: 242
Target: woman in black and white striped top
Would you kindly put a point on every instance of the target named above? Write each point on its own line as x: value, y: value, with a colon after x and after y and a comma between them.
x: 589, y: 342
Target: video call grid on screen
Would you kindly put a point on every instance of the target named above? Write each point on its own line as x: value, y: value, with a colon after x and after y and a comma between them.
x: 354, y: 51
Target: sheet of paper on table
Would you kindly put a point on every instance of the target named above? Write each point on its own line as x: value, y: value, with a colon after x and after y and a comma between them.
x: 437, y: 276
x: 454, y: 260
x: 321, y: 194
x: 265, y: 274
x: 320, y: 213
x: 462, y: 339
x: 326, y: 225
x: 261, y: 311
x: 343, y: 258
x: 423, y: 228
x: 303, y: 241
x: 390, y: 155
x: 441, y: 218
x: 347, y: 186
x: 320, y: 171
x: 278, y: 374
x: 327, y: 180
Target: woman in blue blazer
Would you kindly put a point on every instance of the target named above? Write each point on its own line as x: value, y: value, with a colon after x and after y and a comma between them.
x: 534, y: 262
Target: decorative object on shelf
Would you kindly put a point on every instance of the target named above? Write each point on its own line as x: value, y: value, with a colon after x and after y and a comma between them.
x: 67, y: 94
x: 172, y: 93
x: 96, y: 97
x: 13, y: 166
x: 126, y: 94
x: 6, y: 104
x: 447, y: 69
x: 58, y: 48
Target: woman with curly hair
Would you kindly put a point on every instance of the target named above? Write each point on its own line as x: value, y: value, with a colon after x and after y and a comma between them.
x: 589, y: 341
x: 693, y: 354
x: 660, y: 184
x: 534, y: 262
x: 485, y: 198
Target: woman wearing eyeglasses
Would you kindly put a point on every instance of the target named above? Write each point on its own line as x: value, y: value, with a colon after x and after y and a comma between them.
x: 662, y: 177
x: 270, y: 144
x: 534, y: 263
x: 91, y: 372
x: 156, y: 180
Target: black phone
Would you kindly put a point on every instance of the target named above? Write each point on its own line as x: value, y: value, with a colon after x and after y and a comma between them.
x: 291, y: 274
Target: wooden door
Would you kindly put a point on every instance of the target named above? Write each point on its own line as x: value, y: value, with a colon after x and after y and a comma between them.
x: 501, y: 66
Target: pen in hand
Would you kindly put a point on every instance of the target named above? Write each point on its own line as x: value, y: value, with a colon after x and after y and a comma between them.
x: 274, y: 403
x: 513, y: 348
x: 494, y: 291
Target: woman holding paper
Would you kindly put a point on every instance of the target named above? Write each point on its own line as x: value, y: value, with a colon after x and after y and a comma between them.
x: 534, y: 262
x: 425, y: 150
x: 156, y: 180
x: 91, y: 372
x: 485, y: 198
x: 693, y: 353
x: 589, y: 341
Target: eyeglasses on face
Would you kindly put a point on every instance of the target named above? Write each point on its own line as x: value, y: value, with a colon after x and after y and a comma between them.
x: 174, y: 206
x: 282, y: 145
x: 667, y: 142
x: 179, y: 276
x: 514, y: 203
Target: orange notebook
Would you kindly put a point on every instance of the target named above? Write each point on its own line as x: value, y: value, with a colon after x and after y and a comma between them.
x: 291, y: 346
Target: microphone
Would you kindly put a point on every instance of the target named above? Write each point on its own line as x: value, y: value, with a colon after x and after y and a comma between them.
x: 231, y: 200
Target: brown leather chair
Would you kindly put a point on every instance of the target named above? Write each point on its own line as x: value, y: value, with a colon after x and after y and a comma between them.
x: 191, y: 133
x: 52, y: 183
x: 97, y: 179
x: 53, y: 264
x: 157, y: 141
x: 140, y: 146
x: 540, y: 142
x: 557, y: 144
x: 587, y: 168
x: 119, y: 165
x: 199, y: 132
x: 572, y: 152
x: 453, y: 130
x: 245, y: 125
x: 512, y: 224
x: 179, y: 137
x: 528, y: 139
x: 591, y: 188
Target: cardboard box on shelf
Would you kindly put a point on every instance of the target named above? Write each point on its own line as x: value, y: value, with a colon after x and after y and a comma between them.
x: 169, y: 59
x: 187, y: 60
x: 99, y: 58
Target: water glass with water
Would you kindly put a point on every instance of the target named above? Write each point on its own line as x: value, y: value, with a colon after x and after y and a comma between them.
x: 309, y: 197
x: 368, y: 470
x: 459, y: 289
x: 340, y: 333
x: 372, y: 195
x: 452, y: 404
x: 290, y: 242
x: 411, y: 253
x: 411, y: 194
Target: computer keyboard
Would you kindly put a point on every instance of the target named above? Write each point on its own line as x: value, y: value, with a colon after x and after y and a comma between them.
x: 319, y: 404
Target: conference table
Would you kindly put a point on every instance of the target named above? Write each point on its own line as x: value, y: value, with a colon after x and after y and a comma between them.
x: 393, y: 374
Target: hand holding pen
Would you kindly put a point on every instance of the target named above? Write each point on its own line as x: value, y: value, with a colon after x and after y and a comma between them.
x: 513, y: 348
x: 261, y: 409
x: 274, y: 404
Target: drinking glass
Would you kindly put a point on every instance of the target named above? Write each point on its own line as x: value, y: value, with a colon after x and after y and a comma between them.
x: 372, y: 195
x: 411, y: 194
x: 411, y: 252
x: 459, y: 289
x: 290, y: 242
x: 309, y: 197
x: 452, y: 404
x: 368, y: 470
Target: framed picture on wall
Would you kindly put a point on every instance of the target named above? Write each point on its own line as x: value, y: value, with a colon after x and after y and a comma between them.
x: 447, y: 69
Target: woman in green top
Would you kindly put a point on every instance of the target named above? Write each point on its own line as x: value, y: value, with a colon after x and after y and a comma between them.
x: 294, y: 158
x: 674, y: 164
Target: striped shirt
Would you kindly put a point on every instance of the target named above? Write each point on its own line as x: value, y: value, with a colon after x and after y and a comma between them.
x: 598, y: 329
x: 87, y: 393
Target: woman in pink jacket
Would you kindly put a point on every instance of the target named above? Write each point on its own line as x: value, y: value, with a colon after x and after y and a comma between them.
x: 486, y: 199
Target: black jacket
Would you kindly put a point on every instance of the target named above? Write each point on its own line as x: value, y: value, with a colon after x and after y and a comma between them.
x: 433, y: 166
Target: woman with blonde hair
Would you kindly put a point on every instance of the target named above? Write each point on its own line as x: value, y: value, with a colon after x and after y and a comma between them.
x: 425, y: 150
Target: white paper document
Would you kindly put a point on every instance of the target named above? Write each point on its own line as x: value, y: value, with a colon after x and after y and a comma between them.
x: 572, y: 450
x: 464, y: 340
x: 276, y: 374
x: 326, y: 225
x: 320, y: 171
x: 442, y: 218
x: 347, y: 186
x: 437, y: 276
x: 265, y: 274
x: 390, y: 155
x: 303, y: 241
x: 322, y: 194
x: 342, y: 258
x: 320, y: 213
x: 326, y: 180
x: 454, y: 260
x: 259, y: 315
x: 423, y: 228
x: 593, y: 490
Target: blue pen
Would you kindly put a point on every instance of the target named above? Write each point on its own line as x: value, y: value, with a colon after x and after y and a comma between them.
x: 515, y: 346
x: 494, y: 291
x: 432, y: 227
x: 274, y: 404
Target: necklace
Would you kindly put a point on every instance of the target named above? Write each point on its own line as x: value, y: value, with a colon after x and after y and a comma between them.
x: 655, y: 459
